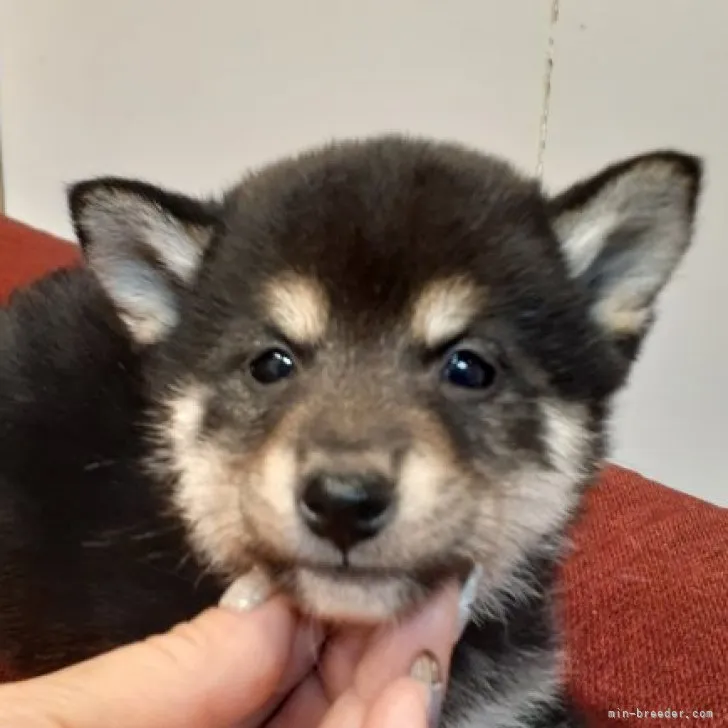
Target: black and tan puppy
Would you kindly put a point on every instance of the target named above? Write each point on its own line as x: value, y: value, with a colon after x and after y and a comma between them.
x: 362, y: 370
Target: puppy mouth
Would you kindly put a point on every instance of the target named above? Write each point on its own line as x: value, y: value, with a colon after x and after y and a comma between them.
x: 349, y: 593
x: 352, y: 573
x: 427, y: 573
x: 427, y: 576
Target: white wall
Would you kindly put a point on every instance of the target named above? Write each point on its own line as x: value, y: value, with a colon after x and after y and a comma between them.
x: 189, y: 98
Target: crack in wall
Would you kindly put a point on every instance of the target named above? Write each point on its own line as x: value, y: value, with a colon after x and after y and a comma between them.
x: 548, y: 74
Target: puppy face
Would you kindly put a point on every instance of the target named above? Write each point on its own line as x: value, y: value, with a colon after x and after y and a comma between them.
x: 383, y: 362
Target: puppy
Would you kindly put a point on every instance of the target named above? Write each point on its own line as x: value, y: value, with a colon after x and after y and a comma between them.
x: 363, y: 370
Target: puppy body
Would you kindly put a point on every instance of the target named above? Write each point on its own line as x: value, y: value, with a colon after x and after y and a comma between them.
x: 88, y: 559
x: 374, y: 366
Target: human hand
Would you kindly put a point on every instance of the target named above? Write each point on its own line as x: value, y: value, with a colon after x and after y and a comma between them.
x: 263, y: 667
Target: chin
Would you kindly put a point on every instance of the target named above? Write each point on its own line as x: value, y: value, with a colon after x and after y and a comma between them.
x: 352, y: 598
x: 342, y: 592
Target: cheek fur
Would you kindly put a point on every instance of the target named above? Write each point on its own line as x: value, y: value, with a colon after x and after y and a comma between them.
x: 526, y: 516
x: 204, y: 490
x: 423, y: 486
x: 270, y: 494
x: 236, y: 497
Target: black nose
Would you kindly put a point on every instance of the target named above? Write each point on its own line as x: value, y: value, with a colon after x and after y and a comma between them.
x: 346, y: 508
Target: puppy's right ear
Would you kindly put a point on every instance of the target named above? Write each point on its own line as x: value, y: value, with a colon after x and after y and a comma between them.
x: 144, y: 244
x: 623, y: 232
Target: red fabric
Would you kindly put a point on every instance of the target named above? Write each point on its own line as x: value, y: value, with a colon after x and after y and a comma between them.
x: 645, y: 600
x: 27, y: 254
x: 646, y: 603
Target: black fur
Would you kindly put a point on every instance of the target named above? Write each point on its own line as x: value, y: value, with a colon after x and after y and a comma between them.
x: 88, y: 560
x: 523, y: 628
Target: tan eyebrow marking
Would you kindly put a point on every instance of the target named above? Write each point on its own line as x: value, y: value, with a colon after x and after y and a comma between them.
x: 444, y: 309
x: 298, y: 306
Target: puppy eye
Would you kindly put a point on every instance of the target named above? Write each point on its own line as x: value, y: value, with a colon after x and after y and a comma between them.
x: 272, y: 366
x: 466, y: 369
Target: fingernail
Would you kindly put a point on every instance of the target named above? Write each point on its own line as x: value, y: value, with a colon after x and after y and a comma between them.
x: 426, y: 670
x: 467, y: 597
x: 247, y: 592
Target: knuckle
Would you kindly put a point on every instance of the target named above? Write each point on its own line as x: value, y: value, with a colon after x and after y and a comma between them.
x: 185, y: 646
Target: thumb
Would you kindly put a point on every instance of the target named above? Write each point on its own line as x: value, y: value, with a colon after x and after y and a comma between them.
x: 207, y: 673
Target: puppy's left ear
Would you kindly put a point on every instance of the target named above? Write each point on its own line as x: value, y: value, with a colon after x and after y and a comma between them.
x: 623, y: 233
x: 145, y: 246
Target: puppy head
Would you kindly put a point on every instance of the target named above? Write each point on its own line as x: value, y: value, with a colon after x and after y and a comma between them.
x: 381, y: 362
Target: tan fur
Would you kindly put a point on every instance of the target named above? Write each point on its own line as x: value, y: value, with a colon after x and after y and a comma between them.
x: 622, y: 317
x: 427, y: 470
x: 444, y: 309
x: 207, y: 495
x: 298, y: 306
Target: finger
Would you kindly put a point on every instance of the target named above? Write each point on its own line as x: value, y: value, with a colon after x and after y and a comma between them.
x: 405, y: 702
x: 349, y: 711
x: 340, y: 658
x: 304, y: 708
x: 304, y: 656
x: 209, y: 672
x: 431, y: 632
